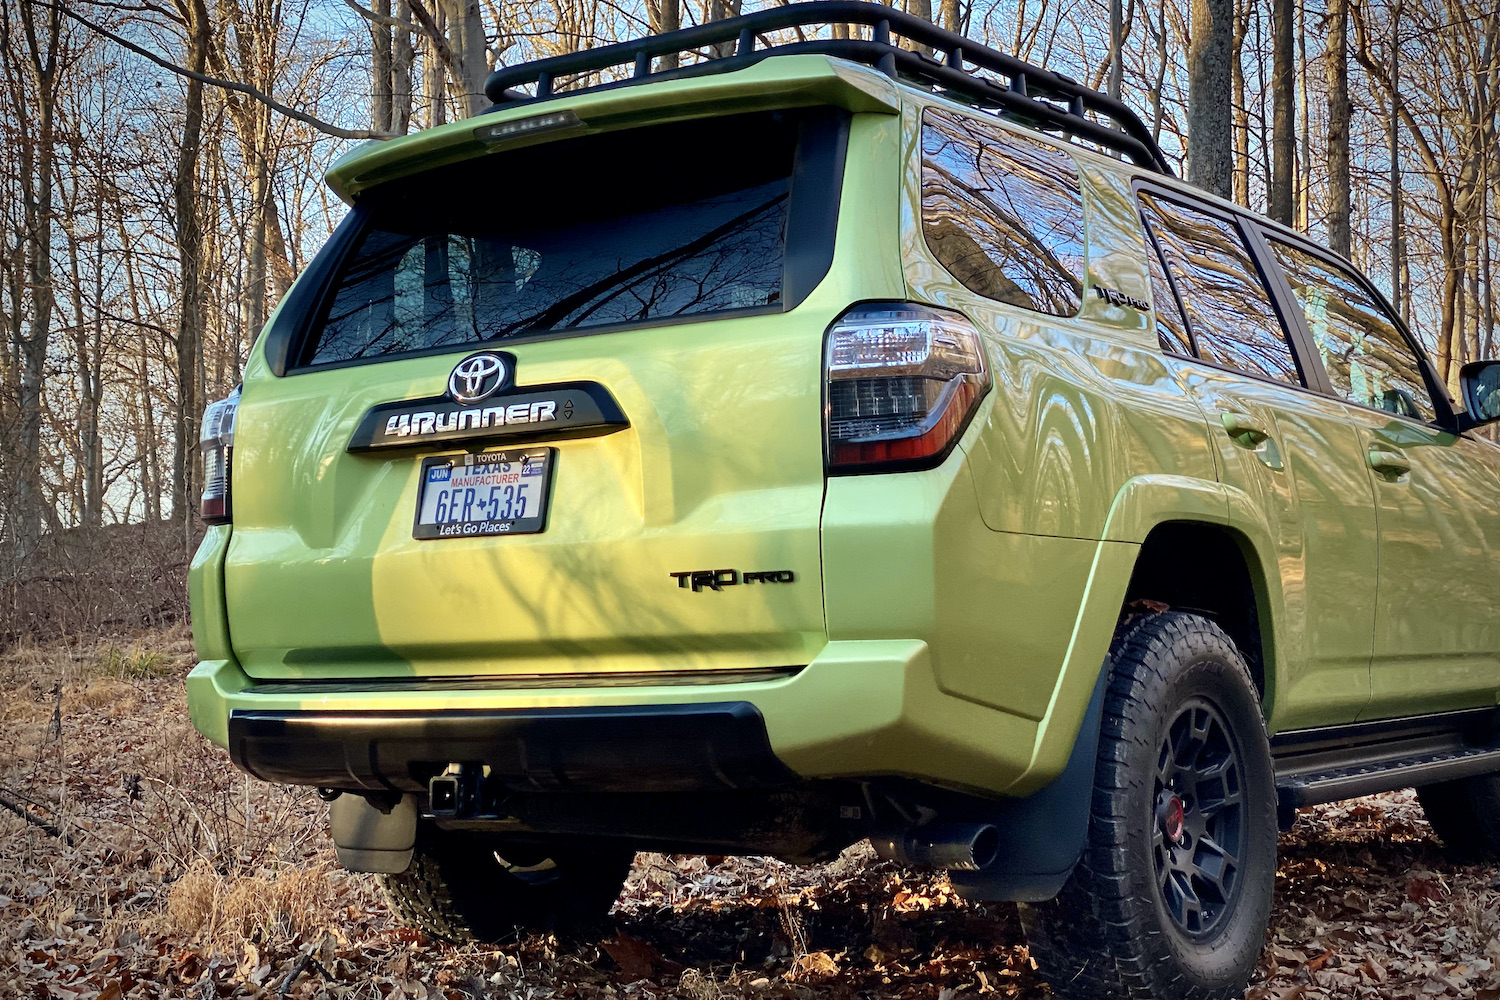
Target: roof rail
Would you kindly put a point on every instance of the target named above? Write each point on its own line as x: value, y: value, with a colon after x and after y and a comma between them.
x: 1037, y: 96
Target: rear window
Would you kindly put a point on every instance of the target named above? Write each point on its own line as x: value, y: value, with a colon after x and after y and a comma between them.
x: 642, y: 225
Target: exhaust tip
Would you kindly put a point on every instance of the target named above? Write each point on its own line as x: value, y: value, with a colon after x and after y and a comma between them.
x: 954, y: 846
x: 984, y: 847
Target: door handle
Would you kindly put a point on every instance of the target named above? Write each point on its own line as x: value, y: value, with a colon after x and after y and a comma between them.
x: 1243, y: 425
x: 1390, y: 462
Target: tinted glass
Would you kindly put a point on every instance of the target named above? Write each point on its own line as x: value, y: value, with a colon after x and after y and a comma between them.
x: 645, y: 224
x: 1003, y: 214
x: 1171, y: 329
x: 1229, y: 311
x: 1367, y: 359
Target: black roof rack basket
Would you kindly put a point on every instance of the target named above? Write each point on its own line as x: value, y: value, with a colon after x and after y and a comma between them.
x: 1038, y: 96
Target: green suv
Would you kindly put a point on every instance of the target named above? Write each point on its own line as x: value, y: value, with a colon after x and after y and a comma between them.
x: 833, y: 440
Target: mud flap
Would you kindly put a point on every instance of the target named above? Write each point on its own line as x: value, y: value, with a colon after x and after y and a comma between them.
x: 368, y: 840
x: 1042, y: 836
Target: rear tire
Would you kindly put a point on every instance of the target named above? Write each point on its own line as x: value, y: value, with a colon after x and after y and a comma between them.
x: 1173, y: 893
x: 465, y: 888
x: 1465, y: 814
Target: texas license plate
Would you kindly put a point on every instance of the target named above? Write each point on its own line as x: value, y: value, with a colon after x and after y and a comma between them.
x: 492, y: 493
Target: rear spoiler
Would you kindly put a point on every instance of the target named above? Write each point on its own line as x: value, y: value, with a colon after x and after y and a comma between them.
x: 808, y: 80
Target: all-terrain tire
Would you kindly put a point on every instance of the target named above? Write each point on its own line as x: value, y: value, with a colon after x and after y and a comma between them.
x: 1465, y: 814
x: 464, y: 887
x: 1123, y: 927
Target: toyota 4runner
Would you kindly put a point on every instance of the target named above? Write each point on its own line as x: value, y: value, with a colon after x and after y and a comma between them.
x: 832, y: 440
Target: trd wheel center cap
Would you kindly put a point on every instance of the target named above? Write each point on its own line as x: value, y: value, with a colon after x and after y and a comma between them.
x: 1173, y: 818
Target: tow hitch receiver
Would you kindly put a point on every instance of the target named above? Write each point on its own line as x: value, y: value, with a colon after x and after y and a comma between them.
x: 457, y: 793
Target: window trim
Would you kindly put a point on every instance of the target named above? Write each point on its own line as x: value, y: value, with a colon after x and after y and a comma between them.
x: 815, y: 185
x: 1311, y: 378
x: 1445, y: 415
x: 1040, y: 140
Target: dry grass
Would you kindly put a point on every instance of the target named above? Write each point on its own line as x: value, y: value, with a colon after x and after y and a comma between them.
x: 223, y: 912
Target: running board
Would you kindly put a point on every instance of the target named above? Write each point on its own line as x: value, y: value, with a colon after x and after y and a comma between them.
x: 1344, y: 762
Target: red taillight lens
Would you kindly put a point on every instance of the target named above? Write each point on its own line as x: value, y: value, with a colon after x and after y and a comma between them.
x: 217, y: 444
x: 903, y: 381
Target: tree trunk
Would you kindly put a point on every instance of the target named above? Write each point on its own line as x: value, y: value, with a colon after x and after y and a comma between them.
x: 189, y: 236
x: 667, y: 16
x: 1283, y: 96
x: 434, y: 75
x: 951, y: 16
x: 1210, y: 146
x: 381, y: 59
x: 1116, y: 48
x: 718, y: 10
x: 1394, y: 137
x: 1304, y: 130
x: 1241, y: 106
x: 402, y: 58
x: 1157, y: 100
x: 467, y: 41
x: 38, y: 154
x: 1339, y: 111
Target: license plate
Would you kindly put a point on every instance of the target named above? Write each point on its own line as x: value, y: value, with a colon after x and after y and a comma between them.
x: 492, y: 493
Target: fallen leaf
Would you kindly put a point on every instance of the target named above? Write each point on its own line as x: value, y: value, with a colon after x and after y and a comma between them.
x: 636, y: 959
x: 817, y: 963
x: 1424, y: 890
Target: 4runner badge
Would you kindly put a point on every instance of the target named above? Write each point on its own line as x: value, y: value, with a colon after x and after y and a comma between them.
x: 483, y: 403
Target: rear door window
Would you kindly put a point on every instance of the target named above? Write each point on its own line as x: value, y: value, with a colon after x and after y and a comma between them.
x: 1367, y: 360
x: 1230, y: 319
x: 649, y: 224
x: 1002, y: 213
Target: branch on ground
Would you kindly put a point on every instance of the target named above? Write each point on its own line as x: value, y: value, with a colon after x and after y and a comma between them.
x: 11, y: 805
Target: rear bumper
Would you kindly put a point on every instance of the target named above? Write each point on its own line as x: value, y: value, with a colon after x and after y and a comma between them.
x: 864, y: 708
x: 622, y: 748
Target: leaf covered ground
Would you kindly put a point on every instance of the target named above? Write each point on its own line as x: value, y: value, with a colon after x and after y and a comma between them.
x: 148, y: 867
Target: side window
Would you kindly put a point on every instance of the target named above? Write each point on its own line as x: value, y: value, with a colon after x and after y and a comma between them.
x: 1367, y: 359
x: 1003, y: 214
x: 1230, y: 317
x: 1171, y: 328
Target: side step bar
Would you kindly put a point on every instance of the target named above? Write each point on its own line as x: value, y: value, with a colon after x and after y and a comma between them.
x: 1343, y: 762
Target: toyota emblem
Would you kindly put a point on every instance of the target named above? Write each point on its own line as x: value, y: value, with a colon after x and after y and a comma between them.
x: 477, y: 377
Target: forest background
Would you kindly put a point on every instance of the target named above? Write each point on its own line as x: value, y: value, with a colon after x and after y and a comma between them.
x: 160, y: 188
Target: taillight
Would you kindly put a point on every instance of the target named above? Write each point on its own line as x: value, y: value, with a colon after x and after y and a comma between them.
x: 217, y: 445
x: 903, y: 381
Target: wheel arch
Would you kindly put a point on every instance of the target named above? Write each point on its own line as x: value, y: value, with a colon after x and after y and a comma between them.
x: 1213, y: 570
x: 1188, y: 530
x: 1157, y: 518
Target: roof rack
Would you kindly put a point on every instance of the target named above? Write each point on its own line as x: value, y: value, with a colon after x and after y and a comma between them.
x: 1038, y: 96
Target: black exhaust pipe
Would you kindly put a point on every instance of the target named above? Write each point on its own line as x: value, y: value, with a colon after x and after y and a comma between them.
x: 955, y: 846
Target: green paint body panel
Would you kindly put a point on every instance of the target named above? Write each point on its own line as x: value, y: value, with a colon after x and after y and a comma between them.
x: 949, y: 624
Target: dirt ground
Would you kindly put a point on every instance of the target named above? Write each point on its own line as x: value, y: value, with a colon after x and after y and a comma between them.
x: 151, y: 868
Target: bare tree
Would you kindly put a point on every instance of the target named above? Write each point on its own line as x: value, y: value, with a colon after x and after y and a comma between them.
x: 666, y: 15
x: 33, y: 90
x: 1283, y: 96
x: 1339, y: 110
x: 1210, y: 152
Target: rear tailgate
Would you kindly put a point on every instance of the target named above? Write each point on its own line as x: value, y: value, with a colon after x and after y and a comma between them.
x: 719, y: 472
x: 721, y: 467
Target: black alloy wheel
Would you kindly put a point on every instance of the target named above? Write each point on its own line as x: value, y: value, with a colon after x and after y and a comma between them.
x: 1198, y: 824
x: 1173, y: 893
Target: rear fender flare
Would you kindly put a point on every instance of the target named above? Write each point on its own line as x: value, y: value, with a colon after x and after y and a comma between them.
x: 1139, y: 506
